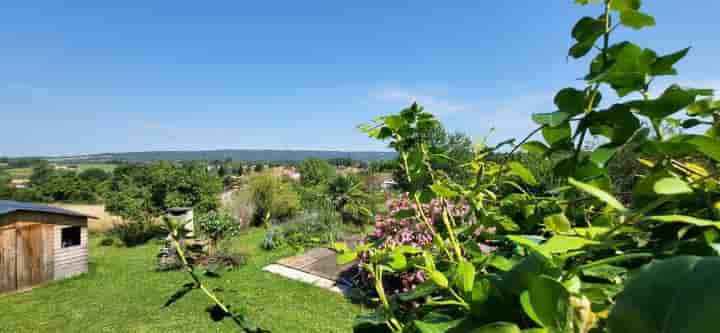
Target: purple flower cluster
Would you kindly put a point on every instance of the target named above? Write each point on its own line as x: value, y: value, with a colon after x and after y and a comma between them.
x: 410, y: 230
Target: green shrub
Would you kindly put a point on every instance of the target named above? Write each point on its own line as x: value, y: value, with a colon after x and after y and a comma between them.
x: 136, y: 233
x: 274, y: 196
x: 216, y: 226
x: 306, y: 230
x: 314, y: 172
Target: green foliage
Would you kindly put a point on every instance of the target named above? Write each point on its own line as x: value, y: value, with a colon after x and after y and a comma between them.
x: 671, y: 296
x: 135, y: 233
x: 273, y: 196
x: 305, y: 231
x: 350, y: 199
x: 138, y: 192
x: 216, y: 226
x: 561, y: 255
x: 314, y: 172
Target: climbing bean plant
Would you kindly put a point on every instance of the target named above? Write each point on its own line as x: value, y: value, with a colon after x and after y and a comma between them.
x: 580, y: 258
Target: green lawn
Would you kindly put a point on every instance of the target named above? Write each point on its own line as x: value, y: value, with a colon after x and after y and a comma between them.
x: 122, y: 293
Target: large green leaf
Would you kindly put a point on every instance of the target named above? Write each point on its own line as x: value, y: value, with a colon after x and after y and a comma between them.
x: 628, y: 70
x: 547, y: 302
x: 498, y: 327
x: 664, y: 65
x: 557, y: 223
x: 573, y: 101
x: 617, y: 123
x: 671, y: 186
x: 535, y: 148
x: 635, y: 19
x: 672, y: 100
x: 436, y: 323
x: 517, y: 169
x: 586, y: 32
x: 551, y: 119
x: 558, y: 136
x: 683, y: 219
x: 562, y: 244
x: 677, y: 295
x: 598, y: 193
x: 465, y: 277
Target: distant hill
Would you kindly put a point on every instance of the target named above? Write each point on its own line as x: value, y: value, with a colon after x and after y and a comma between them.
x: 235, y: 154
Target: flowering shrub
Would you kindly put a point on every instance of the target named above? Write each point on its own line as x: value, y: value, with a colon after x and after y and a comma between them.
x: 401, y: 227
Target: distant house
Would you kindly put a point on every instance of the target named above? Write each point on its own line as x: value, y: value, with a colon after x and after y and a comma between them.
x: 19, y: 183
x: 40, y: 243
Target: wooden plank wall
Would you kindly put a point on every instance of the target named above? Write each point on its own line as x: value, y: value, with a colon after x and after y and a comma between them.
x: 72, y: 260
x: 8, y: 279
x: 34, y: 254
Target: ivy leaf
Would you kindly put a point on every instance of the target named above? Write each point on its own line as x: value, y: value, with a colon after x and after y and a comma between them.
x: 635, y: 19
x: 599, y: 194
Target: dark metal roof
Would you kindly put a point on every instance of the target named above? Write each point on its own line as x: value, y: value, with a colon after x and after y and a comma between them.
x: 7, y: 207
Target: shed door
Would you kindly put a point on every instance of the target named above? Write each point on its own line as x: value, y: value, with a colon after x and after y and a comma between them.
x: 8, y: 278
x: 32, y: 259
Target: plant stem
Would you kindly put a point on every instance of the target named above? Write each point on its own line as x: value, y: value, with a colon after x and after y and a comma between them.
x: 440, y: 240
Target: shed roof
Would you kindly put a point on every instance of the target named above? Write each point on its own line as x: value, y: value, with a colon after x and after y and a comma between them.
x: 8, y: 206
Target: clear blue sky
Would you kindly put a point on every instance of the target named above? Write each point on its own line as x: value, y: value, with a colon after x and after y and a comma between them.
x: 110, y: 76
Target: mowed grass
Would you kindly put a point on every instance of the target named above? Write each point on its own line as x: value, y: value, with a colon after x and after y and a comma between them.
x: 123, y: 293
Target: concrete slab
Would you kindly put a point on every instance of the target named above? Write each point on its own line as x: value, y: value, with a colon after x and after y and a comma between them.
x: 317, y: 267
x: 301, y: 276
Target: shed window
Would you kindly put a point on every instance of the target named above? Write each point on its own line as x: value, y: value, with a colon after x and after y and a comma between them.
x: 70, y: 236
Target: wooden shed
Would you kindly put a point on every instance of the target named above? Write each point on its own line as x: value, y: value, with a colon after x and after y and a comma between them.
x: 40, y: 243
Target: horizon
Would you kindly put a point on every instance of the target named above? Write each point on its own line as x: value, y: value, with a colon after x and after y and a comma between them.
x: 95, y: 78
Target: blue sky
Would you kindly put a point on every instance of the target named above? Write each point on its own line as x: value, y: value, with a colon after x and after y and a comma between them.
x: 99, y: 76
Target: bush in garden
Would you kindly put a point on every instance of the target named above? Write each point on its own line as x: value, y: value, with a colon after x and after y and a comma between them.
x: 274, y: 196
x: 135, y: 233
x: 306, y: 230
x: 314, y: 172
x: 401, y: 227
x: 559, y: 261
x: 216, y: 226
